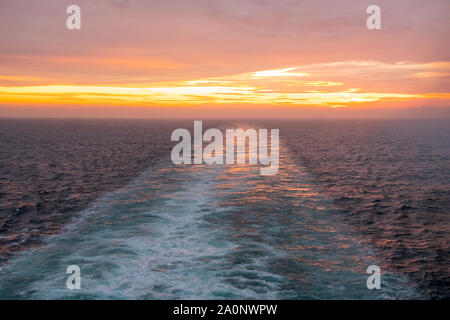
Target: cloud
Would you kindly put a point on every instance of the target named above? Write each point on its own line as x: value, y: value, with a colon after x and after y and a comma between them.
x: 285, y: 86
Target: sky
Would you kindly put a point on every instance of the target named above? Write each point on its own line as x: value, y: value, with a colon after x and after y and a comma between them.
x: 224, y: 58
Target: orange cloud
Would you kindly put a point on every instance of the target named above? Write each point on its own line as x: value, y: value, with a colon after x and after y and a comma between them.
x: 287, y: 86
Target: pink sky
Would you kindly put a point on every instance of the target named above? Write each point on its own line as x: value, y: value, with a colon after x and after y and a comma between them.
x: 210, y: 58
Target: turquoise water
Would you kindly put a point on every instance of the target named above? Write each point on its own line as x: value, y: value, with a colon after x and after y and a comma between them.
x: 206, y: 232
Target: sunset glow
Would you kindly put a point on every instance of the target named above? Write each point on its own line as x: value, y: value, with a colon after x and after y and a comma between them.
x: 187, y: 65
x: 288, y: 86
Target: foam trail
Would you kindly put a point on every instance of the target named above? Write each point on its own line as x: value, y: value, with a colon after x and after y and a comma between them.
x: 148, y: 240
x: 211, y: 232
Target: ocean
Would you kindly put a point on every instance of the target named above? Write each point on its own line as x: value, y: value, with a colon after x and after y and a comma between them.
x: 104, y: 195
